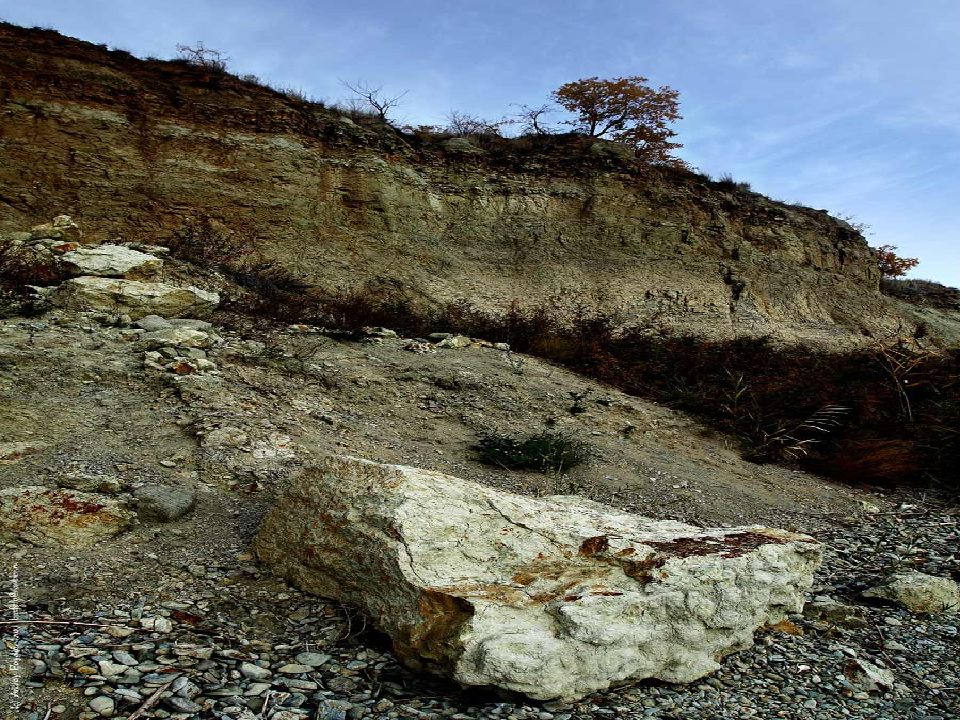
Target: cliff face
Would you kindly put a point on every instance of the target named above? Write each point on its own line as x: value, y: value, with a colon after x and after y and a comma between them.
x: 145, y: 149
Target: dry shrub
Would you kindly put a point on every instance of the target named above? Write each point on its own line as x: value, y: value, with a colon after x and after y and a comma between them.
x: 890, y: 462
x: 205, y: 241
x: 20, y: 268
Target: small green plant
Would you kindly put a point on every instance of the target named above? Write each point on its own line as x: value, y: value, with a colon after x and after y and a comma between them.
x: 544, y: 452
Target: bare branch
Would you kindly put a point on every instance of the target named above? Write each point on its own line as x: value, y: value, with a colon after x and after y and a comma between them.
x: 373, y: 99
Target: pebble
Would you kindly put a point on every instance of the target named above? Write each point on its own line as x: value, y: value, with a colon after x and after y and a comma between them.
x: 157, y: 624
x: 103, y: 706
x: 312, y: 659
x: 294, y: 669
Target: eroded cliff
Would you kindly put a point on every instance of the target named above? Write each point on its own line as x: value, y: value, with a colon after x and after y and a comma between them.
x: 146, y: 149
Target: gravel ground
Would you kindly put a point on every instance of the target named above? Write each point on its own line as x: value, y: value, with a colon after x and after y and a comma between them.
x: 218, y: 642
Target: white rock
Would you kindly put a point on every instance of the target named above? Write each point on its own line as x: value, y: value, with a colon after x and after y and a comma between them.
x: 158, y: 624
x: 919, y: 592
x: 554, y: 598
x: 174, y: 337
x: 111, y: 669
x: 191, y: 323
x: 455, y: 342
x: 254, y: 672
x: 225, y: 437
x: 111, y: 261
x: 868, y: 676
x: 152, y: 323
x: 133, y: 297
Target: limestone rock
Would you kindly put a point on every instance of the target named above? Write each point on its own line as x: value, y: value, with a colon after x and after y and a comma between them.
x: 163, y: 503
x: 919, y: 592
x: 60, y: 518
x: 554, y: 597
x: 133, y: 297
x: 152, y: 323
x: 867, y: 676
x: 454, y: 342
x: 111, y: 261
x: 107, y: 484
x: 62, y: 228
x: 175, y: 337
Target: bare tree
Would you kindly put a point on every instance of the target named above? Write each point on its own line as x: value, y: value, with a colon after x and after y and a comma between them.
x: 531, y: 119
x: 373, y: 99
x: 464, y: 125
x: 204, y: 57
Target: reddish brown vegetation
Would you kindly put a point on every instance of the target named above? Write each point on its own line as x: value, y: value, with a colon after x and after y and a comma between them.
x: 625, y: 110
x: 892, y: 265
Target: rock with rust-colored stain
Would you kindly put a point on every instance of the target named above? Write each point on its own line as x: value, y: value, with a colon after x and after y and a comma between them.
x: 60, y: 518
x: 11, y: 452
x: 552, y: 597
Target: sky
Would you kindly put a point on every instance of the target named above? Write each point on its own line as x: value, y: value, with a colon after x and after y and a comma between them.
x: 852, y: 106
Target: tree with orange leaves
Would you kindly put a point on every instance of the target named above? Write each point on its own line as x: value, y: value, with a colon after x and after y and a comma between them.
x: 892, y: 265
x: 625, y: 110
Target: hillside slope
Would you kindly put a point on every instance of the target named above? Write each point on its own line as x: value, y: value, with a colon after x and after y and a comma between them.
x: 131, y: 147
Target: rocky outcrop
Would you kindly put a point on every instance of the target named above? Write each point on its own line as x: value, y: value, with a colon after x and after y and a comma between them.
x: 553, y: 598
x: 132, y: 297
x: 114, y: 261
x: 129, y: 146
x: 62, y: 228
x: 60, y: 518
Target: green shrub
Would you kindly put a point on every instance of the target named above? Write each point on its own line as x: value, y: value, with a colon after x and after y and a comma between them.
x: 545, y: 452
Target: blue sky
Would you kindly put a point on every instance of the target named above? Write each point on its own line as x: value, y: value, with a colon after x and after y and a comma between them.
x: 848, y: 105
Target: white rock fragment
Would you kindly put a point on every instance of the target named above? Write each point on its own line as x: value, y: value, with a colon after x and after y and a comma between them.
x: 919, y: 592
x: 867, y: 676
x: 133, y: 297
x: 158, y: 624
x: 454, y: 342
x: 554, y: 598
x: 62, y: 228
x: 114, y: 261
x: 174, y: 337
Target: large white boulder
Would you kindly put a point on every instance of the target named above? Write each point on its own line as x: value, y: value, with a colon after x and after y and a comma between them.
x: 554, y: 597
x: 111, y: 261
x: 133, y: 297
